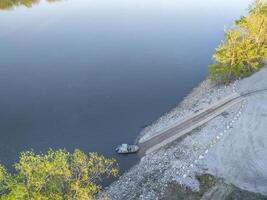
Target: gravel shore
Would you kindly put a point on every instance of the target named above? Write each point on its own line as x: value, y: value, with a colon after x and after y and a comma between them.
x: 187, y: 157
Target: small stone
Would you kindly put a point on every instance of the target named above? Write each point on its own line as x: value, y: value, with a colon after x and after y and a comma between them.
x: 201, y: 157
x: 218, y: 137
x: 191, y: 165
x: 206, y: 151
x: 184, y: 176
x: 221, y: 134
x: 195, y: 161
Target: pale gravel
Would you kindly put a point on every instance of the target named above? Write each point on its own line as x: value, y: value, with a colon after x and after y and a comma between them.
x: 241, y: 158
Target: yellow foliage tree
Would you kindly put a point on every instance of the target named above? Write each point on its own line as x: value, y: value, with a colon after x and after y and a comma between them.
x: 244, y: 48
x: 7, y: 4
x: 56, y: 175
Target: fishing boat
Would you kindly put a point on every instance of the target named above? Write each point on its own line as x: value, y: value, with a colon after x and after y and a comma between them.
x: 126, y: 149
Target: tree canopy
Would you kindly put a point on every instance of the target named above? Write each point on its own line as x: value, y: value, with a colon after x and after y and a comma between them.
x: 56, y: 175
x: 7, y: 4
x: 245, y: 47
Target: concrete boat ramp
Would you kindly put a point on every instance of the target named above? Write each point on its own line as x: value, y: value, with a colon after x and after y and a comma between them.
x: 188, y: 124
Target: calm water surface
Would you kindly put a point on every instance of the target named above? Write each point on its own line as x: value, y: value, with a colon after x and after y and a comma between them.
x: 89, y: 74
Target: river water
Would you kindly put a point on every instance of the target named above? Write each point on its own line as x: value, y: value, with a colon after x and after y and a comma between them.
x: 89, y: 74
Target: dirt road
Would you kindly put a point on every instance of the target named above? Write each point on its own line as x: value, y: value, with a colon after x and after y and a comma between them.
x: 188, y: 124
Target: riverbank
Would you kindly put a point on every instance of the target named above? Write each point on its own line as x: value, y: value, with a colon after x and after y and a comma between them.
x: 189, y: 156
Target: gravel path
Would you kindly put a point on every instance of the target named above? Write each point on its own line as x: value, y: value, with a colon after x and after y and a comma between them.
x: 200, y: 97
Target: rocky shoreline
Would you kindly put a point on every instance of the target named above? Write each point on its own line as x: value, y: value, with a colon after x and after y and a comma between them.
x: 181, y: 161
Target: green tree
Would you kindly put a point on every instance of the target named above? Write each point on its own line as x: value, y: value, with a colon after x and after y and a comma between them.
x: 8, y: 4
x: 255, y: 25
x: 56, y: 175
x: 244, y: 48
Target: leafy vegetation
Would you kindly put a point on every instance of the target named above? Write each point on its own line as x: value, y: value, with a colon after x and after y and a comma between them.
x: 245, y: 47
x: 7, y: 4
x: 56, y: 175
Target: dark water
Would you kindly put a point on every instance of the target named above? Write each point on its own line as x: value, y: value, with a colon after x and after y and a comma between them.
x: 89, y: 74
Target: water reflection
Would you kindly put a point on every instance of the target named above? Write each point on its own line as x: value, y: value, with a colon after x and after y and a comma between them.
x: 8, y: 4
x: 88, y: 74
